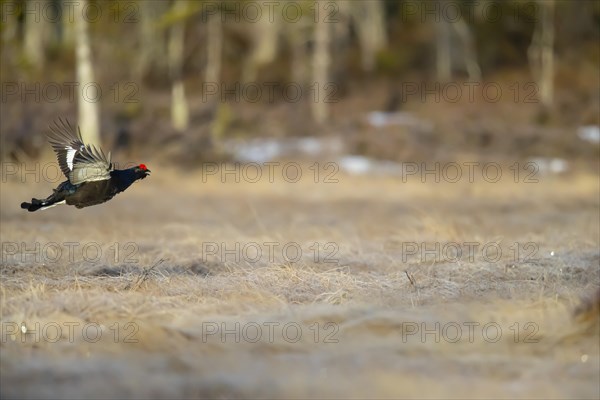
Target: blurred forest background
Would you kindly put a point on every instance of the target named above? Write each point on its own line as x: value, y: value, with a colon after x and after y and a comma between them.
x: 360, y: 86
x: 389, y: 79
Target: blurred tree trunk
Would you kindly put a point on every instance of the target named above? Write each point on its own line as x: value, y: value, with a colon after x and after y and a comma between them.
x: 443, y: 51
x: 264, y: 45
x: 446, y: 47
x: 152, y: 37
x: 541, y: 51
x: 370, y: 24
x: 299, y: 35
x: 36, y: 30
x: 10, y: 46
x: 299, y: 54
x: 88, y: 93
x: 67, y: 26
x: 341, y: 44
x: 320, y: 73
x: 179, y: 106
x: 214, y: 48
x: 469, y: 52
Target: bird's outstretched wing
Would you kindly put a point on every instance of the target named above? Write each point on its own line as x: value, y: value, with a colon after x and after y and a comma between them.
x: 79, y: 162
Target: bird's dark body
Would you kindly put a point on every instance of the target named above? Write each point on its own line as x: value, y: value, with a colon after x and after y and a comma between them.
x: 91, y: 193
x: 88, y: 193
x: 90, y: 180
x: 82, y: 195
x: 97, y: 192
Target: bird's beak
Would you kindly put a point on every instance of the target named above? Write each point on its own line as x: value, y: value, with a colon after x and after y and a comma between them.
x: 147, y: 171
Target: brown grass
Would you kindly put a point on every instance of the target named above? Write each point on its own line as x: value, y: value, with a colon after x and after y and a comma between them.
x: 363, y: 307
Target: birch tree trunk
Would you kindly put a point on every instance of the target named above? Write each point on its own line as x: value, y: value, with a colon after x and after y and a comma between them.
x: 152, y: 39
x: 443, y: 60
x: 547, y: 53
x: 299, y: 34
x: 446, y: 31
x: 369, y: 20
x: 89, y: 96
x: 179, y: 106
x: 9, y: 33
x: 469, y: 53
x: 264, y: 45
x: 321, y: 61
x: 36, y: 29
x: 541, y: 52
x: 214, y: 48
x: 67, y: 26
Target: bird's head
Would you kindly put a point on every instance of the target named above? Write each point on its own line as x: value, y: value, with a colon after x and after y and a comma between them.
x: 141, y: 171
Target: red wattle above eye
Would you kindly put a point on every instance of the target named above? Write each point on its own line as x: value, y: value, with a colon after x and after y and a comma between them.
x: 143, y: 166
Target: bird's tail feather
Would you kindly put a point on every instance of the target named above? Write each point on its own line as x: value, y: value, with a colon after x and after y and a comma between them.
x: 37, y: 204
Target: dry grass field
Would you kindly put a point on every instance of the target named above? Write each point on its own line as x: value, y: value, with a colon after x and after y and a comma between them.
x: 186, y: 286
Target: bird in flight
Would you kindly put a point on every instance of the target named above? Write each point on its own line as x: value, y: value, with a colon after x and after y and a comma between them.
x: 91, y: 178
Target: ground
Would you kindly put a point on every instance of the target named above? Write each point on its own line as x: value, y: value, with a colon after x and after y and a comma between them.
x: 190, y: 285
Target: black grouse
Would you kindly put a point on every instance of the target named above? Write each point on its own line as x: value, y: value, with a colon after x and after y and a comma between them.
x: 91, y: 178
